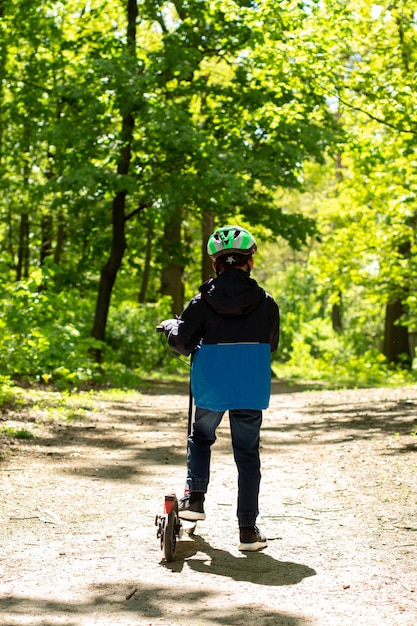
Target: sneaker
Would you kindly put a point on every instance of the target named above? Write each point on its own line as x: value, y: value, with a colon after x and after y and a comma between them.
x: 251, y: 539
x: 191, y: 506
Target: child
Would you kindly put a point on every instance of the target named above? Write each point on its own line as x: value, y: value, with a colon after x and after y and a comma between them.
x: 230, y: 327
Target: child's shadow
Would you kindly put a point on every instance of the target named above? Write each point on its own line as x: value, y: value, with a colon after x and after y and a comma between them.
x: 254, y: 567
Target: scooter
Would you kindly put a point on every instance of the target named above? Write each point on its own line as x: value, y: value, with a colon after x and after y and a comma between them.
x: 170, y: 527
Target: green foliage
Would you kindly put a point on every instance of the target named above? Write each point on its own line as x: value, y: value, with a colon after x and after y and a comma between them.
x: 8, y: 395
x: 44, y: 334
x: 135, y: 346
x: 320, y: 354
x: 20, y: 433
x: 194, y: 131
x: 45, y: 337
x: 297, y: 118
x: 310, y: 349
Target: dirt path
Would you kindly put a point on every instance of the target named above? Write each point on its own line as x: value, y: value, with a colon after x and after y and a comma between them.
x: 338, y: 503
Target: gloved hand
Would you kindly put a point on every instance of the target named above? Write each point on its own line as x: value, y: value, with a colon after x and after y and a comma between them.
x: 168, y: 325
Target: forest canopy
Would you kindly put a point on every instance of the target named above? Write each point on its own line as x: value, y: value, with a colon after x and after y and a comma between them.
x: 129, y: 130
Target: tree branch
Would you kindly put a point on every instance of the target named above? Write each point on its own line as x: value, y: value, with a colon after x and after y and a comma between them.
x: 141, y: 207
x: 375, y: 118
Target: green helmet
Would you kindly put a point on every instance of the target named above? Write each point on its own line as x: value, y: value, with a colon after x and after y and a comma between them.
x: 230, y: 239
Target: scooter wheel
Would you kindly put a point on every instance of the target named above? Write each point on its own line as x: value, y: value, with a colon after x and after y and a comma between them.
x: 170, y: 536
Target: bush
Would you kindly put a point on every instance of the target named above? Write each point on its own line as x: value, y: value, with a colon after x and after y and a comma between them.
x: 8, y: 393
x: 45, y: 337
x: 44, y: 334
x: 319, y: 353
x: 133, y: 342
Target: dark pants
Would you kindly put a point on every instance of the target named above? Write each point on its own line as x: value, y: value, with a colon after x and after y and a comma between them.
x: 245, y: 427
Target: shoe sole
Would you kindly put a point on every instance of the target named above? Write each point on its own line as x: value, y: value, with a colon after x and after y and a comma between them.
x: 192, y: 516
x: 252, y: 547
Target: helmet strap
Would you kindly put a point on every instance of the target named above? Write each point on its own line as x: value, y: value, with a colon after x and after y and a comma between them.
x: 247, y: 267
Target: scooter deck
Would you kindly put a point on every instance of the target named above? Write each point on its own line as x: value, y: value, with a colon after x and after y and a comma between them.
x: 189, y: 526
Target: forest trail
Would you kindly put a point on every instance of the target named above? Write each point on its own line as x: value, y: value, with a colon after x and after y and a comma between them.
x: 338, y: 501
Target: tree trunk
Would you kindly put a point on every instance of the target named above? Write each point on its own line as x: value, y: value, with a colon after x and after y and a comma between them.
x: 396, y: 346
x: 337, y: 319
x: 207, y: 229
x: 22, y: 268
x: 147, y: 265
x: 111, y: 267
x: 46, y: 243
x: 60, y: 239
x: 109, y: 272
x: 173, y: 270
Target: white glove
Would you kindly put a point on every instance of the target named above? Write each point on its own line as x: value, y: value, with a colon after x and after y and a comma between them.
x: 169, y: 325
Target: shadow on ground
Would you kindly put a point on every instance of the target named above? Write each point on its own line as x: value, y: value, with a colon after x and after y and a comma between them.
x: 345, y: 421
x: 142, y: 601
x: 257, y: 567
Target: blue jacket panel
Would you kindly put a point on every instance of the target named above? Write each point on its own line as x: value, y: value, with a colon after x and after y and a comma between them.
x: 231, y: 376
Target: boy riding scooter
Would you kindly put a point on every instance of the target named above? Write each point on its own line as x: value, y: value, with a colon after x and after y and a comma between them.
x: 230, y: 327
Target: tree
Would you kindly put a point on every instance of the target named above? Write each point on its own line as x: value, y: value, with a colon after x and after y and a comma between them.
x: 236, y: 121
x: 118, y: 245
x: 53, y: 115
x: 365, y: 61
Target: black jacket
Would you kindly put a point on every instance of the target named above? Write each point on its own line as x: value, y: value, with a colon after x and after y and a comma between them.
x: 229, y: 308
x: 231, y: 326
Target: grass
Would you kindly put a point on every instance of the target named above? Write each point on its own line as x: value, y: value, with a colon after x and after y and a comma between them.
x: 16, y: 433
x: 39, y: 405
x: 335, y: 376
x: 44, y: 403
